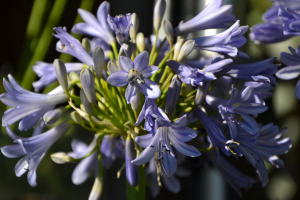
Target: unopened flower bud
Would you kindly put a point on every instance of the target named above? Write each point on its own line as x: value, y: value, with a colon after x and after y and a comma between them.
x: 76, y: 117
x: 86, y: 45
x: 52, y: 116
x: 132, y: 171
x: 140, y: 42
x: 99, y: 61
x: 61, y: 158
x: 86, y: 104
x: 186, y: 49
x: 179, y: 37
x: 201, y: 92
x: 135, y: 27
x: 168, y: 30
x: 172, y: 95
x: 136, y: 101
x: 97, y: 189
x: 159, y: 11
x: 112, y: 67
x: 88, y: 84
x: 177, y: 48
x: 61, y: 73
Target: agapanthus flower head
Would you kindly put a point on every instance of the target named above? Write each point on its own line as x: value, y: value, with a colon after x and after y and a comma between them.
x: 121, y: 25
x: 34, y: 149
x: 27, y: 106
x: 96, y: 27
x: 159, y: 144
x: 134, y: 75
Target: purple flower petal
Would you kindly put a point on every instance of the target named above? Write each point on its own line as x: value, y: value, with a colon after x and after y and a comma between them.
x: 149, y: 89
x: 118, y: 79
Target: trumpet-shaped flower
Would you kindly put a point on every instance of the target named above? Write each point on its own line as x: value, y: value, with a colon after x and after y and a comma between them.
x: 120, y: 25
x: 214, y: 15
x: 235, y: 110
x: 159, y: 144
x: 134, y: 76
x: 34, y: 149
x: 28, y: 106
x: 96, y: 27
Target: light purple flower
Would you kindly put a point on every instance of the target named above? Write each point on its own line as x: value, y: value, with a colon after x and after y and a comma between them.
x: 214, y: 15
x: 96, y: 27
x: 120, y: 25
x: 166, y: 132
x: 70, y: 45
x: 236, y: 110
x: 90, y: 164
x: 132, y: 171
x: 226, y: 42
x: 28, y: 106
x: 111, y: 149
x: 134, y: 76
x: 34, y: 149
x: 46, y: 73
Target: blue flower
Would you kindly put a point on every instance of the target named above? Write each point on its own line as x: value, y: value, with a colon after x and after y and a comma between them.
x: 226, y: 42
x: 166, y: 132
x: 262, y: 71
x: 120, y: 25
x: 134, y: 76
x: 293, y: 67
x: 90, y: 164
x: 26, y: 105
x: 214, y: 133
x: 235, y: 110
x: 214, y: 15
x: 261, y: 91
x: 70, y: 45
x: 111, y: 149
x: 132, y: 171
x: 189, y: 75
x: 34, y: 149
x: 264, y: 146
x: 150, y: 112
x: 46, y: 73
x: 96, y: 27
x: 268, y: 33
x: 290, y: 20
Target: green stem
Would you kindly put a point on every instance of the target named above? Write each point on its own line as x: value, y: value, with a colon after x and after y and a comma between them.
x: 157, y: 52
x: 138, y: 192
x: 115, y: 49
x: 154, y: 46
x: 44, y: 42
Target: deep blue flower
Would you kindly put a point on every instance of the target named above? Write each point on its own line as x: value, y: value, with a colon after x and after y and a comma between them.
x: 261, y: 91
x: 290, y: 20
x: 236, y: 110
x: 268, y: 33
x: 166, y: 132
x: 34, y: 149
x: 262, y: 71
x: 214, y: 15
x: 264, y: 146
x: 120, y: 25
x: 293, y: 67
x: 134, y: 76
x: 26, y: 105
x: 96, y: 27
